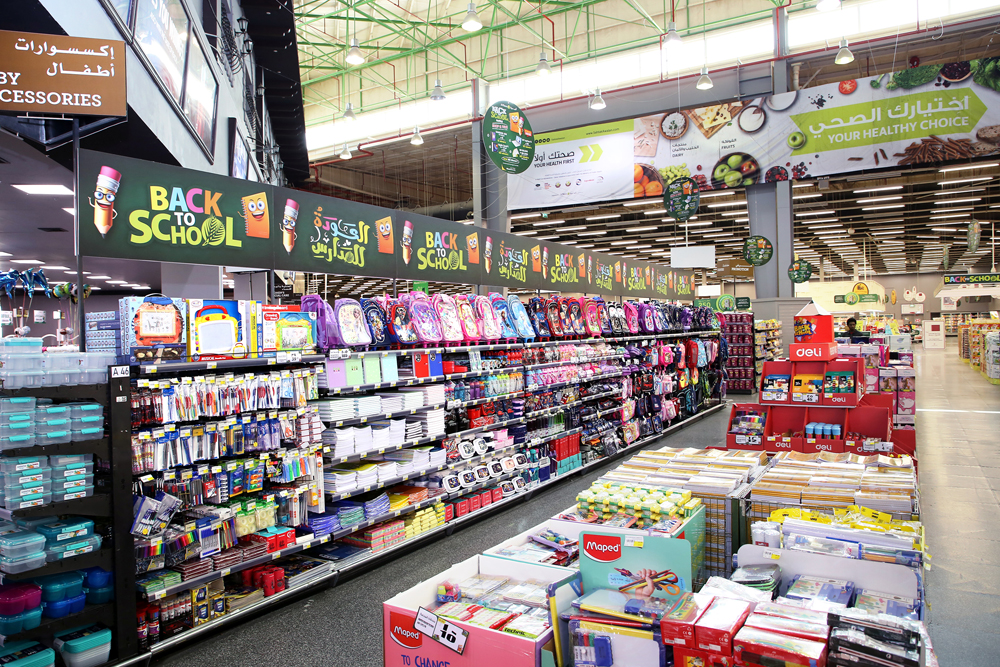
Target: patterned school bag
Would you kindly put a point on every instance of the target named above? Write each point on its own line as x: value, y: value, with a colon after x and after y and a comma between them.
x: 447, y: 312
x: 377, y: 326
x: 539, y: 316
x: 467, y: 316
x: 397, y: 317
x: 631, y: 317
x: 352, y: 329
x: 647, y: 322
x: 519, y: 317
x: 552, y: 314
x: 486, y: 317
x: 326, y: 324
x: 602, y: 315
x: 576, y: 316
x: 499, y: 304
x: 617, y: 315
x: 591, y: 321
x: 425, y: 318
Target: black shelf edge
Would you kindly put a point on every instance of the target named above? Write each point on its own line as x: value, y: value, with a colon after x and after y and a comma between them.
x: 97, y: 447
x: 100, y: 558
x: 95, y: 392
x: 98, y: 504
x: 97, y: 613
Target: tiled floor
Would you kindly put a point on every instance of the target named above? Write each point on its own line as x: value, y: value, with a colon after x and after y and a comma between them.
x: 958, y: 427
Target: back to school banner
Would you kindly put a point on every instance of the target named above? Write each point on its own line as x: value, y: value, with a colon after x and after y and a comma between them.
x: 921, y: 115
x: 133, y: 209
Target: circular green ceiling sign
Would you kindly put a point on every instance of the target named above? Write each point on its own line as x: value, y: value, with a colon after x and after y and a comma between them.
x: 726, y: 303
x: 757, y: 251
x: 800, y: 271
x: 682, y: 198
x: 508, y: 138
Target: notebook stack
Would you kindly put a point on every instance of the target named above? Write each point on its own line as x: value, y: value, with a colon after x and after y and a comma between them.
x: 337, y: 409
x: 377, y: 506
x: 324, y: 524
x: 401, y: 400
x: 388, y: 433
x: 194, y: 568
x: 432, y: 422
x: 366, y: 406
x: 341, y: 439
x: 339, y: 480
x: 363, y: 441
x: 414, y: 430
x: 432, y: 394
x: 387, y: 470
x: 349, y: 513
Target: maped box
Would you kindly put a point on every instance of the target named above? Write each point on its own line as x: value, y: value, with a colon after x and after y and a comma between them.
x: 677, y: 625
x: 285, y: 329
x: 221, y: 329
x: 715, y: 630
x: 154, y: 329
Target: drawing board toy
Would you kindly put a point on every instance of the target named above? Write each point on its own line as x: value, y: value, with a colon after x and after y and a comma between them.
x: 154, y: 328
x: 221, y: 329
x: 286, y: 328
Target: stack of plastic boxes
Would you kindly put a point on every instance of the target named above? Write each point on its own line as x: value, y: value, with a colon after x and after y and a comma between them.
x: 20, y: 550
x: 72, y: 476
x: 20, y: 608
x: 23, y: 364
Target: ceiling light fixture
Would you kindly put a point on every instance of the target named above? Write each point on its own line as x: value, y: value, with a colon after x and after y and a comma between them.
x: 944, y: 217
x: 416, y: 139
x: 692, y: 224
x: 888, y: 231
x: 656, y: 211
x: 844, y: 56
x: 346, y: 153
x: 803, y: 185
x: 827, y: 5
x: 875, y: 200
x: 604, y: 217
x: 956, y: 181
x: 707, y: 195
x: 31, y: 261
x: 44, y: 189
x: 628, y: 242
x: 704, y: 81
x: 882, y: 208
x: 601, y: 233
x: 570, y: 229
x: 545, y: 223
x: 636, y: 230
x: 838, y: 225
x: 438, y: 93
x: 597, y: 102
x: 354, y: 55
x: 472, y: 22
x: 673, y: 37
x: 542, y: 68
x: 349, y: 115
x: 943, y: 202
x: 118, y: 282
x: 811, y: 196
x: 943, y: 229
x: 738, y: 202
x: 817, y: 222
x: 100, y: 277
x: 522, y: 216
x: 882, y: 189
x: 969, y: 166
x: 734, y: 213
x: 56, y: 267
x: 527, y: 233
x: 802, y: 215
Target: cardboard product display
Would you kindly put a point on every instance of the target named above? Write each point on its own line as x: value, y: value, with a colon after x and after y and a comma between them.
x: 286, y: 328
x: 715, y: 630
x: 221, y: 329
x: 153, y: 329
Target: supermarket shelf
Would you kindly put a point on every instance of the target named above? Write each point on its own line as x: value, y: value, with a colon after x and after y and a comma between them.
x: 98, y: 447
x: 534, y: 442
x: 563, y: 341
x: 387, y: 415
x: 488, y: 427
x: 559, y: 408
x: 95, y: 392
x: 100, y: 558
x: 98, y: 504
x: 441, y: 349
x: 383, y: 450
x: 392, y: 514
x: 570, y: 362
x: 97, y: 613
x: 451, y: 405
x: 188, y: 366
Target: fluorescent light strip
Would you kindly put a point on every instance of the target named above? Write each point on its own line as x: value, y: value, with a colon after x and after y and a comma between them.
x: 38, y: 189
x: 522, y: 216
x: 695, y: 224
x: 604, y: 217
x: 655, y: 211
x: 969, y: 166
x: 601, y: 233
x: 959, y: 192
x: 817, y: 222
x: 965, y: 180
x: 875, y: 200
x: 812, y: 196
x: 889, y: 231
x: 881, y: 189
x: 880, y: 208
x: 803, y: 185
x: 707, y: 195
x: 623, y: 242
x: 943, y: 217
x: 943, y: 229
x: 635, y: 230
x: 548, y: 222
x: 527, y: 233
x: 734, y: 213
x: 942, y: 202
x: 570, y: 229
x: 833, y: 226
x: 802, y: 215
x: 738, y: 202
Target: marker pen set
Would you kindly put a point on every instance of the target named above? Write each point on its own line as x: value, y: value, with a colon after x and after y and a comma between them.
x: 167, y: 401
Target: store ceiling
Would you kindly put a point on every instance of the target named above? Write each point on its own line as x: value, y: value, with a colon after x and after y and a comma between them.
x: 22, y: 217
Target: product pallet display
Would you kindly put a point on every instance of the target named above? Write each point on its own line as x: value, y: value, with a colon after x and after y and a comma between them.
x: 767, y: 342
x: 271, y: 475
x: 991, y: 357
x: 738, y: 330
x: 952, y: 321
x: 977, y: 341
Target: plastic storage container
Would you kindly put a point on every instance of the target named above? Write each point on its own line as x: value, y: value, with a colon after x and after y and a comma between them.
x: 21, y: 379
x: 21, y: 362
x: 93, y: 377
x: 23, y: 564
x: 26, y: 620
x: 33, y: 524
x: 20, y: 345
x: 87, y: 434
x: 73, y: 548
x: 26, y: 476
x: 65, y: 459
x: 72, y: 494
x: 18, y: 598
x: 44, y: 413
x: 50, y: 426
x: 16, y: 417
x: 23, y: 502
x: 21, y: 543
x: 56, y: 587
x: 73, y: 469
x: 70, y: 528
x: 90, y: 421
x: 51, y: 438
x: 27, y: 654
x: 21, y: 463
x: 100, y: 595
x: 68, y: 484
x: 78, y: 410
x: 96, y: 577
x: 15, y: 441
x: 83, y: 647
x: 61, y: 360
x: 17, y: 428
x: 64, y: 607
x: 28, y: 489
x: 17, y: 404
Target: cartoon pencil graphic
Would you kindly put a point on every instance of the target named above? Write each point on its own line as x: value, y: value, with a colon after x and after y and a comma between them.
x: 103, y: 202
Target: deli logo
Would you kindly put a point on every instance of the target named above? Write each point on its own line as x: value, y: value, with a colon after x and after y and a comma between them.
x: 603, y: 548
x: 800, y: 351
x: 402, y: 631
x: 838, y: 399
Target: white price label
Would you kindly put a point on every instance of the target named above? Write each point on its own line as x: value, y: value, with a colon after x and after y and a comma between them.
x: 442, y: 631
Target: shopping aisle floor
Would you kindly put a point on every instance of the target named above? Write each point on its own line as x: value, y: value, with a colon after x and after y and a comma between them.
x: 958, y: 424
x: 342, y: 626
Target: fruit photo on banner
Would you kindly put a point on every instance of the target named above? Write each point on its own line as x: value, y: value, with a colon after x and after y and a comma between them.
x: 757, y: 251
x: 682, y: 198
x: 800, y: 271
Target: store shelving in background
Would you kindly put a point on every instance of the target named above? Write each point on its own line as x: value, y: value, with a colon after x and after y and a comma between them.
x: 767, y: 342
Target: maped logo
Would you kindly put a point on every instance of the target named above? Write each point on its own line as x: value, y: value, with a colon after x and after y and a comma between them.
x: 402, y: 631
x: 603, y: 548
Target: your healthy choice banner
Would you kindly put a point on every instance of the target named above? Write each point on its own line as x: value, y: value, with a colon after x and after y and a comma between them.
x: 133, y: 209
x: 921, y: 115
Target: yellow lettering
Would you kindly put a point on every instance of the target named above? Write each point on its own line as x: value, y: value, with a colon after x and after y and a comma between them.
x: 177, y: 235
x: 157, y: 219
x: 193, y: 236
x: 138, y: 220
x: 430, y: 239
x: 364, y: 227
x: 230, y: 241
x: 422, y: 255
x: 158, y: 198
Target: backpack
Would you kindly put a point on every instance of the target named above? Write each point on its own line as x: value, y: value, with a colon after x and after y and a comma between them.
x: 631, y: 317
x: 591, y: 321
x: 377, y: 326
x: 539, y: 316
x: 552, y: 315
x: 499, y: 304
x: 691, y: 353
x: 352, y: 329
x: 519, y: 317
x: 425, y: 318
x: 617, y: 316
x: 467, y: 316
x: 486, y: 317
x: 564, y: 317
x: 326, y: 324
x: 659, y: 317
x: 447, y: 312
x: 647, y: 323
x: 576, y: 316
x: 602, y: 315
x: 397, y: 317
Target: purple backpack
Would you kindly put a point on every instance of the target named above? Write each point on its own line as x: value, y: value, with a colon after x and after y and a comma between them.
x: 327, y: 335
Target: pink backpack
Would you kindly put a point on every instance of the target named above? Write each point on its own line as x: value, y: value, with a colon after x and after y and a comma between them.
x: 552, y: 315
x: 591, y: 320
x: 631, y: 317
x: 467, y: 317
x: 451, y: 327
x: 576, y: 316
x: 486, y: 317
x: 425, y: 319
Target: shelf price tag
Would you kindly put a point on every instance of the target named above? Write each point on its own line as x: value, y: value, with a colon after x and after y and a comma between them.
x: 441, y: 631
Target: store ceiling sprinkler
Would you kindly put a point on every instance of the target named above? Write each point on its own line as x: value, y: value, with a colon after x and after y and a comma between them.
x: 354, y: 55
x: 598, y: 103
x: 673, y: 37
x: 472, y: 22
x: 844, y: 56
x: 704, y: 81
x: 438, y: 93
x: 827, y: 5
x: 346, y: 153
x: 542, y: 68
x: 349, y: 113
x: 416, y: 139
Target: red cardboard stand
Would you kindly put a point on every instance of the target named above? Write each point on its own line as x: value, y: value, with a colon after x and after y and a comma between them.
x: 868, y: 420
x: 740, y: 441
x: 812, y: 351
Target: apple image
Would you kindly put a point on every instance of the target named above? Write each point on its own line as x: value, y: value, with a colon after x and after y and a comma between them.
x: 720, y: 172
x: 796, y: 140
x: 733, y: 178
x: 748, y: 167
x: 734, y: 161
